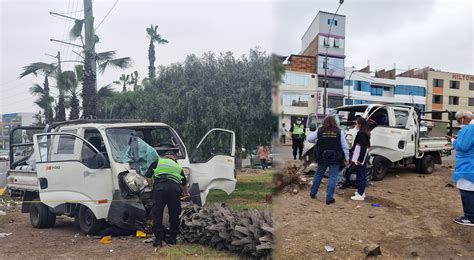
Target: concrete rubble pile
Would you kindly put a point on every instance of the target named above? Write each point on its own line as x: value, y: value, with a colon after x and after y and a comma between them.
x: 292, y: 174
x: 248, y: 232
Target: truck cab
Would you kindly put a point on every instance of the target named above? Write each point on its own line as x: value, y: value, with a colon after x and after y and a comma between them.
x: 94, y: 171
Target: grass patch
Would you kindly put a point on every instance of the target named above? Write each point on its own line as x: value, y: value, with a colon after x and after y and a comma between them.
x: 251, y: 191
x: 192, y: 250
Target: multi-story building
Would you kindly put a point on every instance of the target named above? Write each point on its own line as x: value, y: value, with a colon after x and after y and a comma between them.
x: 298, y: 92
x: 448, y: 91
x: 363, y: 87
x: 10, y: 121
x: 325, y: 40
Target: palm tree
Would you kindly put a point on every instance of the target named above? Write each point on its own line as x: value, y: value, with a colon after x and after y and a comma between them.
x: 44, y: 102
x: 154, y: 36
x: 103, y: 60
x: 124, y: 81
x: 71, y: 81
x: 134, y: 78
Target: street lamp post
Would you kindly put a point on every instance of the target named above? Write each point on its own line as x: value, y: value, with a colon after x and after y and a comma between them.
x: 325, y: 64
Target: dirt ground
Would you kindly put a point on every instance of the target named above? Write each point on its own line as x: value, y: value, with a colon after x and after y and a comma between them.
x: 414, y: 220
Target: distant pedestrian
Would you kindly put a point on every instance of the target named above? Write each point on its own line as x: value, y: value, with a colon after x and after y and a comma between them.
x: 331, y: 151
x: 360, y: 151
x: 262, y: 155
x: 297, y: 137
x: 463, y: 173
x: 283, y: 133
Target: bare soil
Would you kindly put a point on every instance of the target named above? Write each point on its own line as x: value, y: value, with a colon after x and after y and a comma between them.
x: 414, y: 220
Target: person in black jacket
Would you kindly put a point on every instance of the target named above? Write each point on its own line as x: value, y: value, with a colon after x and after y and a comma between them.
x: 360, y: 151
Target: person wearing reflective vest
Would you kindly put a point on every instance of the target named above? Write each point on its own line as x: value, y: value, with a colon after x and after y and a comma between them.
x: 169, y: 184
x: 297, y: 138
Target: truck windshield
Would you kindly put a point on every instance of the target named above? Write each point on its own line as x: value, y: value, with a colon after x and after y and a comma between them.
x: 161, y: 139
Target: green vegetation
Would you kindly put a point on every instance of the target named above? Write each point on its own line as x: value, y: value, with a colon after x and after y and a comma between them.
x: 192, y: 250
x: 251, y: 192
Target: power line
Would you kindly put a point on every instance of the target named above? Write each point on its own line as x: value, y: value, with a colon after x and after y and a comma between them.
x: 106, y: 15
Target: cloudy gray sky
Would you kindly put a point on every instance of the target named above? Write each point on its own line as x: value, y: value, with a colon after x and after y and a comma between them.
x: 386, y: 32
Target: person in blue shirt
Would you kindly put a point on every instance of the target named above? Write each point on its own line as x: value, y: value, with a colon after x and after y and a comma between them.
x: 331, y: 151
x: 463, y: 174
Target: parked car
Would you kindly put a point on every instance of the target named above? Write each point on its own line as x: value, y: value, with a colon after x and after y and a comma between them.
x: 255, y: 161
x: 4, y: 155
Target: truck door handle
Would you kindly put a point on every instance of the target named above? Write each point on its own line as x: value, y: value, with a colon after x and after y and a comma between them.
x: 87, y: 173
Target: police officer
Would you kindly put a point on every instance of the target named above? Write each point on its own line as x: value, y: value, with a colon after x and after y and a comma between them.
x: 169, y: 183
x: 297, y: 137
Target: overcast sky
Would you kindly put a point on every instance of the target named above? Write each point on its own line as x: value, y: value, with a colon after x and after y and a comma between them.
x: 406, y: 33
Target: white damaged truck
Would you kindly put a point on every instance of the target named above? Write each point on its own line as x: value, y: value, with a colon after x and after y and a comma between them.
x: 93, y: 170
x: 398, y: 137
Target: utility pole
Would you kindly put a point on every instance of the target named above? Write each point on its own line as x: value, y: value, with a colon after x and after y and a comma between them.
x: 89, y: 90
x: 325, y: 64
x: 89, y: 35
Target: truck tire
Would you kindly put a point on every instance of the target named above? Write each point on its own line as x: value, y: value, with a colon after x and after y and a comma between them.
x: 39, y: 214
x: 51, y: 219
x: 427, y: 164
x: 88, y: 223
x: 379, y: 168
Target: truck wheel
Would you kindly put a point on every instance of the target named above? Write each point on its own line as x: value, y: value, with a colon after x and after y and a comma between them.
x: 88, y: 223
x: 427, y: 164
x: 39, y: 214
x: 51, y: 219
x: 379, y: 168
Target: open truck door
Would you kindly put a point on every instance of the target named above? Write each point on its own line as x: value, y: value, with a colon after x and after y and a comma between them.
x: 213, y: 165
x: 70, y: 169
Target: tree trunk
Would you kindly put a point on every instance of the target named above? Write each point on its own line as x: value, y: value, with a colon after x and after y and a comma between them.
x: 74, y: 113
x: 61, y: 110
x: 124, y: 88
x: 89, y: 95
x: 151, y: 59
x: 48, y: 112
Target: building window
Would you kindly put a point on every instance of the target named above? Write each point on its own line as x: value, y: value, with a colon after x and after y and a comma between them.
x: 334, y: 22
x: 348, y: 82
x: 295, y: 100
x: 410, y: 90
x: 471, y: 85
x: 335, y: 101
x: 376, y: 91
x: 437, y: 115
x: 471, y: 102
x: 332, y: 83
x: 295, y: 79
x: 360, y: 102
x: 438, y: 83
x: 335, y: 66
x: 454, y: 84
x: 453, y: 100
x: 437, y: 99
x: 358, y: 85
x: 336, y: 43
x: 326, y: 41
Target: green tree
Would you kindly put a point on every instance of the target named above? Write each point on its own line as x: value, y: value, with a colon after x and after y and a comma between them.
x: 47, y: 70
x: 123, y: 81
x: 103, y: 61
x: 134, y: 79
x: 154, y: 36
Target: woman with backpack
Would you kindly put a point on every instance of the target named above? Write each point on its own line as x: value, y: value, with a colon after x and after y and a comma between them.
x: 360, y: 151
x: 331, y: 151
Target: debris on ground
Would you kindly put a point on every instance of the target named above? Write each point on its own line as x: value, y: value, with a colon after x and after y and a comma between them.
x: 292, y: 173
x: 449, y: 185
x: 148, y: 240
x: 375, y: 204
x: 105, y: 240
x: 140, y: 234
x: 329, y: 248
x: 2, y: 213
x: 372, y: 250
x: 4, y: 235
x: 248, y: 232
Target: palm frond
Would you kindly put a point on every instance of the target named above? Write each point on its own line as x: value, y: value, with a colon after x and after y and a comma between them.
x: 105, y: 91
x: 38, y: 67
x: 37, y: 89
x: 120, y: 63
x: 106, y: 55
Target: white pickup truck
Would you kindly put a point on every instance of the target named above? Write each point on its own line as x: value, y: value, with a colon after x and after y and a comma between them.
x: 396, y: 139
x: 93, y: 170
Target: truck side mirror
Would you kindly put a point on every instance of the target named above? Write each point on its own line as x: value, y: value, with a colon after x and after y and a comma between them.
x: 312, y: 127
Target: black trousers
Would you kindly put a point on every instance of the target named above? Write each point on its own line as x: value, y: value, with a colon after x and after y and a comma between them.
x: 282, y: 139
x: 166, y: 193
x: 297, y: 147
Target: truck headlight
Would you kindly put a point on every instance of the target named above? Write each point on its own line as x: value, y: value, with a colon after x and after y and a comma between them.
x: 349, y: 139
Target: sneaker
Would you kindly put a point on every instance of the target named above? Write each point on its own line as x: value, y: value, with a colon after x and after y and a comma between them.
x: 356, y: 193
x: 357, y: 197
x: 463, y: 221
x: 330, y: 201
x: 312, y: 196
